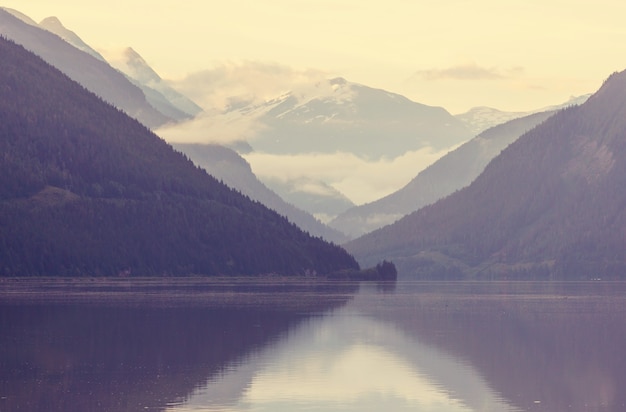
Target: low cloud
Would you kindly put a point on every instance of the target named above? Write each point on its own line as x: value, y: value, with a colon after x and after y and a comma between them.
x: 250, y: 82
x: 358, y: 179
x: 212, y: 128
x: 469, y: 72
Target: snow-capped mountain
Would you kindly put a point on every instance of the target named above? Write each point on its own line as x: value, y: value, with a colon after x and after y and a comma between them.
x: 159, y: 93
x: 340, y: 116
x: 353, y: 129
x: 92, y: 73
x: 478, y: 119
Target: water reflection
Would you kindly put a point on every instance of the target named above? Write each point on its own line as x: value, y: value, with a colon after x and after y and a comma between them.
x: 144, y: 351
x: 349, y: 362
x: 542, y: 346
x: 316, y: 347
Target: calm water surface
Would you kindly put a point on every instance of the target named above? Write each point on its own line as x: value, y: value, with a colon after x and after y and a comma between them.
x: 224, y: 345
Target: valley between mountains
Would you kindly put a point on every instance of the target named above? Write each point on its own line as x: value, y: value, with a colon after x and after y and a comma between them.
x: 108, y: 167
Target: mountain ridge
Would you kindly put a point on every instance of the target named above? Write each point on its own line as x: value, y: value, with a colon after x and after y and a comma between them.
x: 91, y: 72
x: 87, y: 190
x: 549, y: 206
x: 226, y: 165
x: 449, y: 173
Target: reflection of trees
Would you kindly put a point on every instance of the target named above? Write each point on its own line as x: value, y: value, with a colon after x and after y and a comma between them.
x: 106, y: 358
x: 567, y: 353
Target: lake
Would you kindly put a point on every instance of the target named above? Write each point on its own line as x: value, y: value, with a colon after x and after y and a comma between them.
x: 277, y: 344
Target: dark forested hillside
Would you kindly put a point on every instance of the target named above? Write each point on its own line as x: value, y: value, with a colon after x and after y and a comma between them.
x: 86, y: 190
x: 228, y: 166
x: 552, y: 204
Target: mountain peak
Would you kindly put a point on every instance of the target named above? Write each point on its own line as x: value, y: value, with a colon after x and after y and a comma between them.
x: 338, y: 81
x: 53, y: 25
x: 131, y: 63
x: 130, y: 53
x: 51, y: 21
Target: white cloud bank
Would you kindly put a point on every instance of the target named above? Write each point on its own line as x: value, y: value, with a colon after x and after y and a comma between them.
x: 253, y: 82
x: 359, y: 179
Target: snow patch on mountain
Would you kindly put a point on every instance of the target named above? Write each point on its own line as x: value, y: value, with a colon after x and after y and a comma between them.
x: 159, y: 93
x: 479, y: 119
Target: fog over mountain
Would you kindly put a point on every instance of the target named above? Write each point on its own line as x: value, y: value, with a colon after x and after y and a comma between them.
x: 551, y: 205
x: 355, y: 139
x: 314, y: 196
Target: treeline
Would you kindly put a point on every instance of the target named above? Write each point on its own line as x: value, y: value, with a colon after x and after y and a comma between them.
x: 86, y: 190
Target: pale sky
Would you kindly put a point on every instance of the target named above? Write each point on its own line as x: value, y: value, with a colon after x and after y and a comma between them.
x: 512, y: 55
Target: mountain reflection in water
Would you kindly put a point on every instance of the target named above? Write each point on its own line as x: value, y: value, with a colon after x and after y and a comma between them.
x: 416, y: 346
x: 134, y: 346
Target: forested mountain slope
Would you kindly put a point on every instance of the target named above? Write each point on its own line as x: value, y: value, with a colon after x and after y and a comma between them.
x: 552, y: 204
x: 451, y: 172
x: 226, y: 165
x: 86, y: 190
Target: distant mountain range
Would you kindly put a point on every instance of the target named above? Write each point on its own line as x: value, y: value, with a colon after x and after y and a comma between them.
x: 87, y: 190
x: 64, y: 50
x: 451, y: 172
x: 479, y: 119
x: 340, y: 116
x: 551, y: 205
x: 314, y: 196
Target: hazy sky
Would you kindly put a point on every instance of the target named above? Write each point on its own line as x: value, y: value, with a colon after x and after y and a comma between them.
x: 513, y: 55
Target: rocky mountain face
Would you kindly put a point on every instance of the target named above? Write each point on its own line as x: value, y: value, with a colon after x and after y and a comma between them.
x: 551, y: 205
